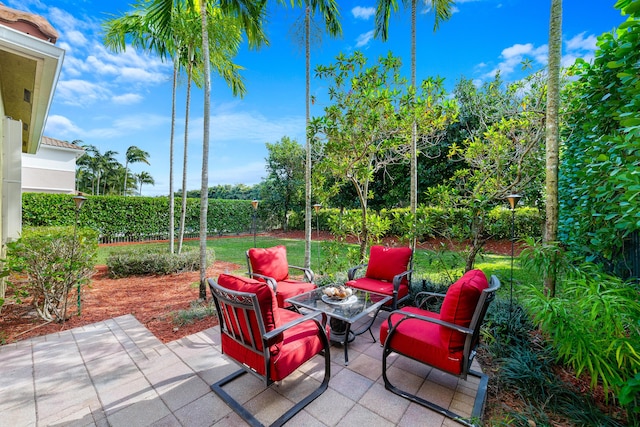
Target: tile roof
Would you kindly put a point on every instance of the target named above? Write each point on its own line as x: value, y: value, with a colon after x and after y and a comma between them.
x: 57, y: 143
x: 28, y: 23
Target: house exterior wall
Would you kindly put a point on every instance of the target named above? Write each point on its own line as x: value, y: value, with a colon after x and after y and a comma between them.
x: 52, y: 170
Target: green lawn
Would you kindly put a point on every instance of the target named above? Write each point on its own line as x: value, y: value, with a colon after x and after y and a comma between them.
x: 438, y: 266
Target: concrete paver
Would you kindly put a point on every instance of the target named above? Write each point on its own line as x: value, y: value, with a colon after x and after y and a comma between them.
x: 116, y: 373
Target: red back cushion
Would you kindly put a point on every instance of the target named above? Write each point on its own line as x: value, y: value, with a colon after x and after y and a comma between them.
x: 384, y: 262
x: 266, y: 297
x: 270, y: 262
x: 458, y: 306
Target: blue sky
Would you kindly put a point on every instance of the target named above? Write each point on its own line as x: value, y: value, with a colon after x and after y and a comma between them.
x: 114, y: 101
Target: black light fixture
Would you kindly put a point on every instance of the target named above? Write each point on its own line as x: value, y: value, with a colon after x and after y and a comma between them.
x: 79, y: 202
x: 255, y: 204
x: 513, y: 202
x: 316, y: 208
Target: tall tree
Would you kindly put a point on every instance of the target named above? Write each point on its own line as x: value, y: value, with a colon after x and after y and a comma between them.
x: 552, y: 138
x: 133, y: 155
x: 250, y: 15
x: 331, y: 17
x: 443, y: 10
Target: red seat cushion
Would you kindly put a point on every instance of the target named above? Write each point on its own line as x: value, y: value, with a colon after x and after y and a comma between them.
x: 379, y: 286
x: 385, y: 262
x: 459, y: 305
x: 290, y: 288
x: 270, y: 262
x: 421, y: 340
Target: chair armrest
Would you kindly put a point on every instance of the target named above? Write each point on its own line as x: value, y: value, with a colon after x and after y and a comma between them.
x: 398, y: 278
x: 351, y: 274
x: 270, y: 280
x: 422, y: 297
x: 407, y: 316
x: 308, y: 273
x: 309, y: 316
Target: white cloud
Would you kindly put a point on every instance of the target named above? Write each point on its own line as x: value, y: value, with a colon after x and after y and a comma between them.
x: 81, y: 92
x: 513, y: 56
x: 76, y: 38
x: 61, y: 127
x: 363, y: 12
x: 580, y: 42
x: 127, y: 98
x: 364, y: 39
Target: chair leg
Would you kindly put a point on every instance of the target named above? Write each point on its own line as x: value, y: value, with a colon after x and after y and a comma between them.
x: 253, y: 421
x: 478, y: 406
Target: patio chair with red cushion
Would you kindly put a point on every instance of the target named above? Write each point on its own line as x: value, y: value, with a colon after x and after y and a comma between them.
x: 265, y: 340
x: 270, y: 265
x: 388, y: 272
x: 445, y: 340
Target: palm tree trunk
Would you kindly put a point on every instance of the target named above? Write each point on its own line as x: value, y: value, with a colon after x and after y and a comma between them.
x: 552, y: 143
x: 414, y: 132
x: 173, y: 127
x: 183, y: 209
x: 307, y: 169
x: 204, y: 187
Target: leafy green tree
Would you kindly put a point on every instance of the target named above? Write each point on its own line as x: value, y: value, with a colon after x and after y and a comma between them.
x: 504, y: 157
x: 364, y: 130
x: 443, y: 11
x: 286, y: 178
x: 599, y: 178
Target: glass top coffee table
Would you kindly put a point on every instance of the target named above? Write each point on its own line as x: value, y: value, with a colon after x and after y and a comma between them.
x: 343, y: 313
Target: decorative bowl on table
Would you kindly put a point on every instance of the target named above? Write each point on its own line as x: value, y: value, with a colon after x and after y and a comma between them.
x: 337, y: 294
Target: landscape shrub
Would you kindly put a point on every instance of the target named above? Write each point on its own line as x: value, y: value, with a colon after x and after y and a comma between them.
x: 139, y: 262
x: 593, y: 324
x: 53, y: 265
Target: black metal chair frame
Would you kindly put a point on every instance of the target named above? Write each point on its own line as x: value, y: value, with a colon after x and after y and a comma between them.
x: 248, y: 302
x: 472, y: 336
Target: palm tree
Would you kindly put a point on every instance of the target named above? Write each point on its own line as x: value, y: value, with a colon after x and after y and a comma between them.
x: 330, y: 13
x: 140, y: 32
x: 383, y: 12
x: 133, y: 155
x: 250, y: 16
x: 553, y: 95
x: 144, y: 178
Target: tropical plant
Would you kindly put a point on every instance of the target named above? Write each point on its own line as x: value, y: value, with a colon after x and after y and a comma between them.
x: 133, y: 155
x: 144, y: 178
x: 250, y: 17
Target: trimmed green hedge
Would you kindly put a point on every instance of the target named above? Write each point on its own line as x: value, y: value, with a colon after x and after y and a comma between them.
x: 118, y: 218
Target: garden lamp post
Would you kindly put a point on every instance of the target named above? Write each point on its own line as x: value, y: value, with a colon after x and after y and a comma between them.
x: 254, y: 203
x: 316, y: 208
x: 513, y: 201
x: 79, y: 201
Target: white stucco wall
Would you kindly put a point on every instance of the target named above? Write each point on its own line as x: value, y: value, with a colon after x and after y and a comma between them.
x: 51, y: 170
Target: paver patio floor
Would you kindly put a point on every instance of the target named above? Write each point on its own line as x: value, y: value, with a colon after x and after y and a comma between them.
x: 116, y: 373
